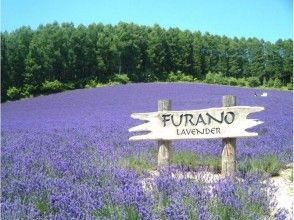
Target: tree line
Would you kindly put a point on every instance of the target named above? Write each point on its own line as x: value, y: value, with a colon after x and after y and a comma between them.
x: 71, y: 56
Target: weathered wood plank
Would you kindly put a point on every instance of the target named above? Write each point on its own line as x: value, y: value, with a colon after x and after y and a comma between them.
x: 224, y: 122
x: 229, y: 150
x: 163, y: 158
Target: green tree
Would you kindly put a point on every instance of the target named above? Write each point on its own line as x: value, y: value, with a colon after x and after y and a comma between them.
x: 4, y: 67
x: 73, y: 55
x: 17, y: 51
x: 287, y: 57
x: 235, y: 61
x: 84, y: 55
x: 158, y: 52
x: 256, y: 59
x: 197, y: 71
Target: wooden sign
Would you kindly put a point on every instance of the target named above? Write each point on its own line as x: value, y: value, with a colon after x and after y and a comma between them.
x: 224, y: 122
x: 227, y: 123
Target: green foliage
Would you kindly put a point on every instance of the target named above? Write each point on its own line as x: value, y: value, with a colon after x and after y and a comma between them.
x: 193, y: 161
x: 242, y: 82
x: 213, y: 162
x: 41, y: 202
x: 209, y: 77
x: 186, y: 78
x: 215, y: 78
x: 52, y: 86
x: 227, y: 212
x: 270, y: 83
x: 253, y: 81
x: 43, y: 205
x: 152, y: 77
x: 111, y: 211
x: 13, y: 93
x: 219, y: 78
x: 257, y: 208
x: 144, y: 54
x: 99, y: 85
x: 224, y: 212
x: 132, y: 213
x: 28, y: 90
x: 290, y: 86
x: 112, y: 83
x: 121, y: 78
x: 269, y: 164
x: 108, y: 211
x: 138, y: 162
x: 186, y: 159
x: 264, y: 81
x: 232, y: 81
x: 69, y: 86
x: 91, y: 84
x: 277, y: 83
x: 172, y: 77
x: 179, y: 77
x: 192, y: 210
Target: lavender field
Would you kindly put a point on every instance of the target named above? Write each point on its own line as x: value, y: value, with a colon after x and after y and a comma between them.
x: 67, y: 156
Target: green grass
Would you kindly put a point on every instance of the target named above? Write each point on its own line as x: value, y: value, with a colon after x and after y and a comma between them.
x: 162, y: 200
x: 269, y: 164
x: 132, y: 213
x: 42, y: 204
x: 108, y: 211
x: 225, y: 212
x: 138, y: 162
x: 212, y: 162
x: 111, y: 211
x: 191, y: 208
x: 194, y: 161
x: 256, y: 208
x: 186, y: 159
x: 217, y: 208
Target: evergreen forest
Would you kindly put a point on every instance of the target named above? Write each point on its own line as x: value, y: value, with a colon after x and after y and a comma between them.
x: 57, y: 57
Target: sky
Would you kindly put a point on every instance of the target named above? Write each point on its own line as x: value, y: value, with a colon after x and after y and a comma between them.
x: 264, y: 19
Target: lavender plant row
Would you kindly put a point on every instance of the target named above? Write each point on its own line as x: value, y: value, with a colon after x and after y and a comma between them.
x: 61, y: 156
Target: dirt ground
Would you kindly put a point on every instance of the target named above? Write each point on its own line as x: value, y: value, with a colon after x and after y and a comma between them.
x: 285, y: 192
x: 284, y: 195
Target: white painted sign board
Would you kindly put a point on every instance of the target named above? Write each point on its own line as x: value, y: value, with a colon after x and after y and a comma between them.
x: 224, y: 122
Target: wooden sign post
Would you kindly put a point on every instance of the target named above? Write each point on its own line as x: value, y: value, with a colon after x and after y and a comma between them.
x: 228, y: 123
x: 229, y: 150
x: 164, y: 145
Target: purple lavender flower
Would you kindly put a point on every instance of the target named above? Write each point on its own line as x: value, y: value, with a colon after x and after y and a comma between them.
x: 61, y: 153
